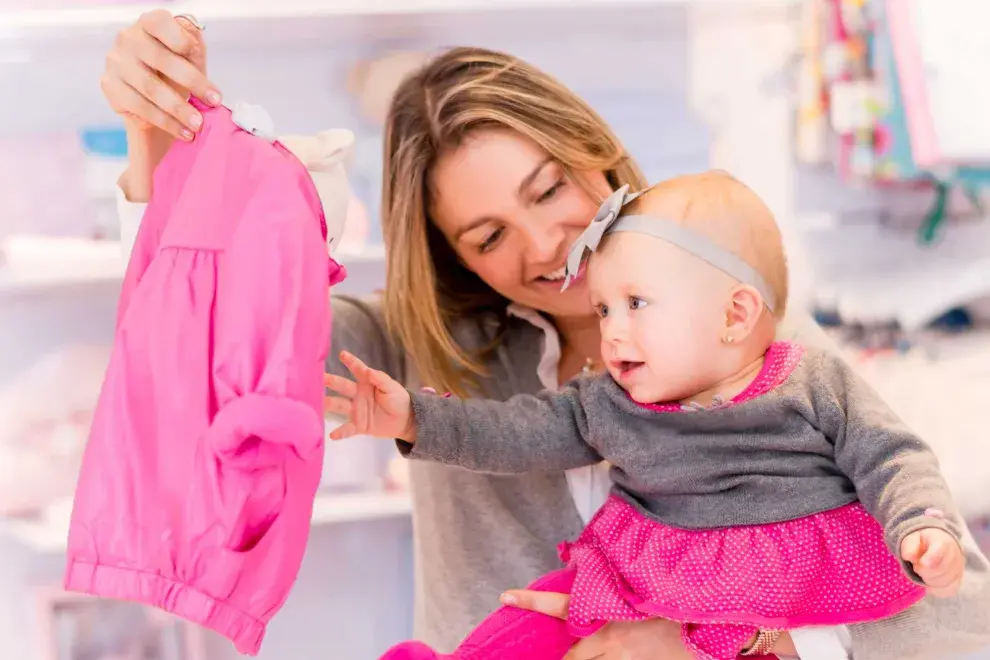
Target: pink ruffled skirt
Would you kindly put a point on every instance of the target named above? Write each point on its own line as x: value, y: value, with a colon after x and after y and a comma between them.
x: 827, y: 569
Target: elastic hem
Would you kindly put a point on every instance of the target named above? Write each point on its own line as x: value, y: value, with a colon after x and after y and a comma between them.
x: 183, y: 600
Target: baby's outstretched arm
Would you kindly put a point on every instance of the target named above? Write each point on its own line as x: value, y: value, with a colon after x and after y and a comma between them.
x: 545, y: 432
x: 896, y: 475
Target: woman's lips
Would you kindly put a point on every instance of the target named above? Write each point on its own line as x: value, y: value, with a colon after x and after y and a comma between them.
x: 559, y: 282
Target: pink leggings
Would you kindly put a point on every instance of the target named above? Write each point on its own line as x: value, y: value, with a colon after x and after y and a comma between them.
x: 509, y: 633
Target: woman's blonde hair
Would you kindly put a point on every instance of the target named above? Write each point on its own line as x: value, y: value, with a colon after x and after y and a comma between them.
x: 462, y: 91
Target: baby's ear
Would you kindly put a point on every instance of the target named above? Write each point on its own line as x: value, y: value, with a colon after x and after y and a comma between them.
x: 742, y: 311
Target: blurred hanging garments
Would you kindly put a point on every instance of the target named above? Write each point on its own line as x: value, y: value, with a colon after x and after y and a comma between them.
x: 899, y: 83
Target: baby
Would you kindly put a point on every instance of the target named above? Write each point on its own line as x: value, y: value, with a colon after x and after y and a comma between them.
x: 758, y: 485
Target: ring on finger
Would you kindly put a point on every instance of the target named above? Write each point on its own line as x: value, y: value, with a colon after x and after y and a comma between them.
x: 192, y: 20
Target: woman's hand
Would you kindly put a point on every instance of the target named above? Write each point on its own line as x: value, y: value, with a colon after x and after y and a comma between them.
x: 152, y: 69
x: 373, y: 403
x: 653, y: 639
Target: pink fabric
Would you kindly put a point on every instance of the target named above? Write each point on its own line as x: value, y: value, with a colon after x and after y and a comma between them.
x: 831, y: 568
x: 511, y: 633
x: 206, y: 448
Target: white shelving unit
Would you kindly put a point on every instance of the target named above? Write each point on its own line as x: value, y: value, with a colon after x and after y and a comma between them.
x: 257, y: 22
x: 35, y: 22
x: 48, y: 533
x: 104, y: 265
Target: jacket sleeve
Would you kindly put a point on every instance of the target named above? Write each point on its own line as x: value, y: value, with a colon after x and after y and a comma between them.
x: 526, y: 433
x: 271, y: 336
x: 896, y: 475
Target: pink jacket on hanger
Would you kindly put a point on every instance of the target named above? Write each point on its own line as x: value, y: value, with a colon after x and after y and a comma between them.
x: 206, y: 450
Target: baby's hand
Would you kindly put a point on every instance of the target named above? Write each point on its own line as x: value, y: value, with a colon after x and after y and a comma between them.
x: 937, y: 559
x: 374, y: 405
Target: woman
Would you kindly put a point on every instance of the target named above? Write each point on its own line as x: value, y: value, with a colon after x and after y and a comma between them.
x: 491, y: 170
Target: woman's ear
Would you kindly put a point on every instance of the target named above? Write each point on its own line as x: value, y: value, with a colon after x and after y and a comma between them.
x: 742, y: 312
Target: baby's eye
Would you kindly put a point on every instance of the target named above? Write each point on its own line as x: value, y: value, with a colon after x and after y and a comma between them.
x: 636, y: 302
x: 602, y: 310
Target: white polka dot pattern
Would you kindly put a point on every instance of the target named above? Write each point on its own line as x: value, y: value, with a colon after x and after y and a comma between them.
x: 831, y: 568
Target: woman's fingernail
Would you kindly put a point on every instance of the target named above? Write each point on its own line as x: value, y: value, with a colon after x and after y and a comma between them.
x: 508, y: 599
x: 186, y: 134
x: 213, y: 97
x: 196, y: 121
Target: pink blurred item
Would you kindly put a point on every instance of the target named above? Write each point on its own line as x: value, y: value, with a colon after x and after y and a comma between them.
x: 42, y: 436
x: 509, y: 633
x: 197, y: 484
x: 356, y: 229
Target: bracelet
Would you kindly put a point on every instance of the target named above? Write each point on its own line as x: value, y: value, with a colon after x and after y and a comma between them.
x: 765, y: 641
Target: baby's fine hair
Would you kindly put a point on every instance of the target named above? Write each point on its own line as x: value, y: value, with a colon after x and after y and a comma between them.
x: 728, y: 212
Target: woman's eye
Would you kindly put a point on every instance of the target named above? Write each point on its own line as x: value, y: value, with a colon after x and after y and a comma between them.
x: 550, y: 192
x: 636, y: 303
x: 490, y: 241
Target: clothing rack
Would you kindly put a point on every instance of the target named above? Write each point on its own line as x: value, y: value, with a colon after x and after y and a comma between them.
x: 871, y: 108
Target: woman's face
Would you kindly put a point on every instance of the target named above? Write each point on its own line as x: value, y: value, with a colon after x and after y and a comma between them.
x: 511, y: 215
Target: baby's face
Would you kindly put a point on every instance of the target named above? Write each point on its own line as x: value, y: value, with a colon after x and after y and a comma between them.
x: 662, y: 314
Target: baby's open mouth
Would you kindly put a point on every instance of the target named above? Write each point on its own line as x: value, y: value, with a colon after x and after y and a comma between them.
x: 626, y: 368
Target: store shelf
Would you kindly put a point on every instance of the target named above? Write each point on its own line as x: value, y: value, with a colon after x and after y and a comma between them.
x: 103, y: 265
x: 49, y: 534
x: 109, y: 272
x: 289, y: 20
x: 360, y: 507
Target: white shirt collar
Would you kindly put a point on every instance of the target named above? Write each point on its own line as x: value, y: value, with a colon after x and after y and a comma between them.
x: 547, y: 368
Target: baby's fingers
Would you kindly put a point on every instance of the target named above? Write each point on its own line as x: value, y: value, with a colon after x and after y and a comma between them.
x: 337, y: 405
x: 345, y: 430
x: 340, y: 385
x: 383, y: 381
x: 356, y: 366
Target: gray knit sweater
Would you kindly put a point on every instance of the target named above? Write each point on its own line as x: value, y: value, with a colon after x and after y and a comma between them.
x: 477, y: 534
x: 816, y: 441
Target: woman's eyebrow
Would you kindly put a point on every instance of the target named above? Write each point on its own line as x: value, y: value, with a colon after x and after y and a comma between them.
x: 471, y: 226
x: 529, y: 178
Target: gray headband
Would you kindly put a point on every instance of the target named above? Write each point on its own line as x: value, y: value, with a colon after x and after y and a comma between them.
x: 607, y: 221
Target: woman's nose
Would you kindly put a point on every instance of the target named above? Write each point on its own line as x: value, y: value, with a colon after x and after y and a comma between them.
x: 546, y: 245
